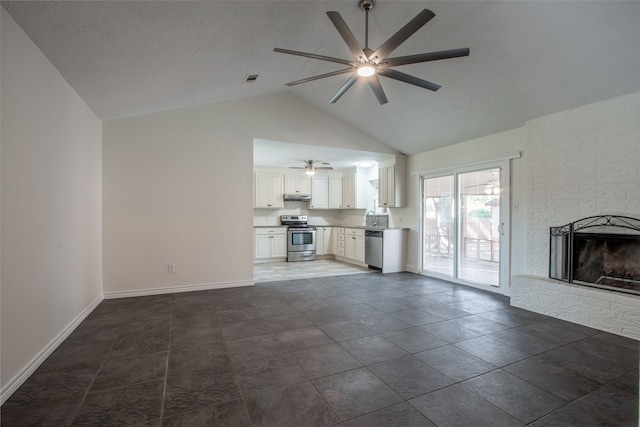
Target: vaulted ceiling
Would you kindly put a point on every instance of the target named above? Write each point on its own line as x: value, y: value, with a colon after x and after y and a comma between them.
x: 528, y: 58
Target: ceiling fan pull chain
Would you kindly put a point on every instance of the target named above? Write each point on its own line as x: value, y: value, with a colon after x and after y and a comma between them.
x: 366, y: 30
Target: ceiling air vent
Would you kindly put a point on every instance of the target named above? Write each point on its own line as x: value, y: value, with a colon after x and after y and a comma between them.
x: 251, y: 78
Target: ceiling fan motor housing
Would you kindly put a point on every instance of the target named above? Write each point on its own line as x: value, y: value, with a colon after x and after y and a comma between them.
x: 366, y: 4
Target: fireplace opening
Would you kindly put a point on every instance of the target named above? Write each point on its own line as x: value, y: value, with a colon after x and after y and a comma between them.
x: 601, y: 251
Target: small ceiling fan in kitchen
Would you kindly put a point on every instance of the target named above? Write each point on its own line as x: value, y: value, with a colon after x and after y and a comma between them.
x: 311, y: 166
x: 369, y: 64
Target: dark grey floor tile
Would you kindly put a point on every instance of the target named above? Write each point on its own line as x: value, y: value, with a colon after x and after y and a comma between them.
x: 86, y: 334
x: 69, y: 355
x: 299, y: 339
x: 513, y: 395
x: 573, y: 415
x: 390, y: 306
x: 623, y: 356
x: 130, y: 370
x: 479, y: 324
x: 369, y: 350
x: 326, y: 360
x: 281, y: 309
x: 507, y: 318
x: 326, y: 315
x: 53, y: 414
x: 268, y: 373
x: 287, y: 322
x: 552, y: 333
x: 531, y: 344
x: 244, y: 329
x: 189, y: 337
x: 236, y: 302
x: 616, y: 404
x: 416, y: 317
x: 297, y: 405
x: 446, y: 312
x: 264, y: 300
x: 309, y: 303
x: 569, y: 357
x: 347, y: 330
x: 494, y: 352
x: 409, y: 376
x: 449, y: 331
x: 189, y: 320
x: 128, y: 405
x: 456, y: 406
x: 560, y: 381
x: 254, y: 347
x: 360, y: 310
x: 132, y: 345
x: 341, y: 300
x: 618, y: 340
x: 198, y: 390
x: 400, y: 415
x: 354, y: 393
x: 157, y: 325
x: 208, y: 357
x: 414, y: 340
x: 233, y: 414
x: 455, y: 363
x: 45, y: 387
x: 237, y: 315
x: 383, y: 323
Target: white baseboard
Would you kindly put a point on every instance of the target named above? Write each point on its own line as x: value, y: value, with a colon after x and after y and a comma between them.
x: 176, y: 289
x: 19, y: 379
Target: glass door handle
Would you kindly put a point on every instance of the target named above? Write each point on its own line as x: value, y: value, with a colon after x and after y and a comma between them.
x: 501, y: 229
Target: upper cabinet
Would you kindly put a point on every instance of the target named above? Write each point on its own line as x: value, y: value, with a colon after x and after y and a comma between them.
x: 392, y: 178
x: 297, y: 184
x: 354, y: 191
x: 268, y: 189
x: 319, y: 192
x: 335, y: 191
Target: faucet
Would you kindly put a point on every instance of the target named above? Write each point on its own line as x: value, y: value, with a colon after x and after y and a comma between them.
x: 374, y: 220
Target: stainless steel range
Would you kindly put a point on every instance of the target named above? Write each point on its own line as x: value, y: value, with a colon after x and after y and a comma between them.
x: 301, y: 238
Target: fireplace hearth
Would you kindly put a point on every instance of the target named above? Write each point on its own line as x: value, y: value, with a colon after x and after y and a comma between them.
x: 600, y: 251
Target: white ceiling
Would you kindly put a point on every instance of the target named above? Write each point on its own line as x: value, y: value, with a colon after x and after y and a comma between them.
x: 528, y: 58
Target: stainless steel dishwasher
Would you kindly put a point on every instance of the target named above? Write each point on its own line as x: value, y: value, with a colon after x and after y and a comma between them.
x: 373, y: 248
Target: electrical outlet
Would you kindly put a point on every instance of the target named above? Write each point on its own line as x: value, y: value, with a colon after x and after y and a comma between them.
x: 172, y: 268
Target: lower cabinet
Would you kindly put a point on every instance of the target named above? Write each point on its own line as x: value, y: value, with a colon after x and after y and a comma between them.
x: 351, y: 244
x: 270, y: 243
x: 325, y: 240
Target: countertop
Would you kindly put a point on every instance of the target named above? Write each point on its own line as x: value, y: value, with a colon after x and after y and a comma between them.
x: 362, y: 227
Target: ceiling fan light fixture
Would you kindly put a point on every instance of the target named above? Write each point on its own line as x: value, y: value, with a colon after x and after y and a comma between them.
x: 309, y: 170
x: 366, y: 70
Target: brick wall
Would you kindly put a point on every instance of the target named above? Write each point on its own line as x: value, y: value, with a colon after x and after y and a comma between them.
x: 580, y: 162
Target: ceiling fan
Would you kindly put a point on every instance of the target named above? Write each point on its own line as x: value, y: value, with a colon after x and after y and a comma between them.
x: 368, y: 64
x: 310, y: 167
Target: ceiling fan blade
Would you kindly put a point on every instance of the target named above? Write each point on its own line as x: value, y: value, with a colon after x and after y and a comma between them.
x: 425, y: 57
x: 346, y: 34
x: 412, y: 80
x: 314, y: 56
x: 404, y: 33
x: 376, y: 87
x: 345, y: 87
x: 321, y: 76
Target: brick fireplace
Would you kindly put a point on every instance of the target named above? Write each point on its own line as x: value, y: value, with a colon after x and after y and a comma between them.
x: 581, y: 163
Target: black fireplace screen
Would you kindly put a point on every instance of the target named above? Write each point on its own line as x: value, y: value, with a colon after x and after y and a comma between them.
x: 600, y: 251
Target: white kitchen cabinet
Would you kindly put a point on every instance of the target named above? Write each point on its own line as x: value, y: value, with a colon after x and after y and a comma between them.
x: 335, y: 191
x: 270, y: 243
x: 297, y: 184
x: 392, y: 182
x: 354, y: 189
x: 319, y: 192
x: 340, y: 239
x: 268, y: 190
x: 353, y: 245
x: 330, y: 240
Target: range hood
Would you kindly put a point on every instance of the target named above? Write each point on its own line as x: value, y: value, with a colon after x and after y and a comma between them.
x: 295, y: 197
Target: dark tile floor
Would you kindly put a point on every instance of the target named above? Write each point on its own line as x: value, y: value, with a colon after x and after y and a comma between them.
x: 356, y: 350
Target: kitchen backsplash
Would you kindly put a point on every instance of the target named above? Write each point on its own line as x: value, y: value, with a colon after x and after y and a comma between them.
x: 356, y: 217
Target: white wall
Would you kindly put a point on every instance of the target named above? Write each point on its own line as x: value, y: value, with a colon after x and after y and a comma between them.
x: 178, y: 189
x: 474, y: 151
x: 51, y: 207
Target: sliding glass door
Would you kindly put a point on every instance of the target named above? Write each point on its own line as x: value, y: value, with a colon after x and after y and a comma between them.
x: 463, y: 226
